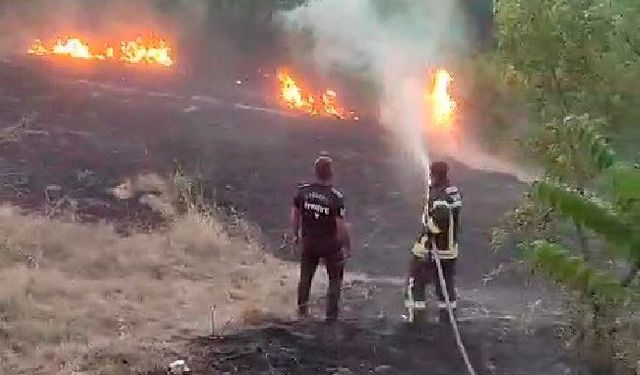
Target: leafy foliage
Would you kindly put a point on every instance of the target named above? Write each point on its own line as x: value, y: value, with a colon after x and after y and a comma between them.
x: 576, y: 57
x: 614, y: 217
x: 578, y: 63
x: 573, y: 151
x: 530, y: 220
x: 593, y: 214
x: 625, y: 182
x: 557, y: 262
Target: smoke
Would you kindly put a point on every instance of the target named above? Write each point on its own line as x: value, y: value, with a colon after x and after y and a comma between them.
x: 396, y: 44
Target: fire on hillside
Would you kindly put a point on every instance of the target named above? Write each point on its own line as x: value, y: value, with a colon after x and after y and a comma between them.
x: 294, y: 96
x: 153, y: 51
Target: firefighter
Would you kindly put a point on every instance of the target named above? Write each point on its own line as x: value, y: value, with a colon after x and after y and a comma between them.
x: 317, y: 220
x: 440, y: 232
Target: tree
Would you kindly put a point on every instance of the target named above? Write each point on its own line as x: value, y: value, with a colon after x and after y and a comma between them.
x: 577, y: 60
x: 602, y: 297
x: 574, y: 153
x: 575, y: 57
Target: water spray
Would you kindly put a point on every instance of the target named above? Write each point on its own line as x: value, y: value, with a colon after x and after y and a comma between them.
x: 395, y: 46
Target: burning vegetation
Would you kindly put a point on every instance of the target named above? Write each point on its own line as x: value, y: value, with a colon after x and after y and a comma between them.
x: 292, y: 93
x: 154, y: 51
x: 325, y: 104
x: 442, y: 104
x: 440, y: 101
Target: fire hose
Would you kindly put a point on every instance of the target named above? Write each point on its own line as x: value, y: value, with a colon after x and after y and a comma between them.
x: 452, y: 319
x: 443, y: 283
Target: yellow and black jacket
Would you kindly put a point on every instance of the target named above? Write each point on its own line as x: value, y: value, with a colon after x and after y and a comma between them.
x: 441, y: 223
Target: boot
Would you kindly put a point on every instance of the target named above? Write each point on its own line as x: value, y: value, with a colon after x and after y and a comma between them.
x: 419, y: 317
x: 303, y: 312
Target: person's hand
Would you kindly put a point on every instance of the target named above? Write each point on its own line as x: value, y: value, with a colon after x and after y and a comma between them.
x: 288, y: 241
x: 346, y: 253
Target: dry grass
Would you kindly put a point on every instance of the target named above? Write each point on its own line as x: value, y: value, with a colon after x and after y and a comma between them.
x: 80, y: 298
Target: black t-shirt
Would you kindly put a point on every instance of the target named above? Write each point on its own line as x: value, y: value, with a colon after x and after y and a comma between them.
x: 320, y: 205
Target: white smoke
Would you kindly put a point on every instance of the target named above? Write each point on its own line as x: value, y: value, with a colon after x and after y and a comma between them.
x: 396, y: 44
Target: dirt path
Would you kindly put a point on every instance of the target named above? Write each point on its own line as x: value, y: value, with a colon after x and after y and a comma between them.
x: 253, y: 155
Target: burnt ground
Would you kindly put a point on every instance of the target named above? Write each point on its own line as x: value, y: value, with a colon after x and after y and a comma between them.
x: 95, y: 128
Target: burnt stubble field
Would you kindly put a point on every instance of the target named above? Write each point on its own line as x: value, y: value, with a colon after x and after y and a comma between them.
x: 88, y: 129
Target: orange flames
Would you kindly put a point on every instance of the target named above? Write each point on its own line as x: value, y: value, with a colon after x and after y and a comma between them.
x: 150, y: 51
x: 75, y: 48
x: 299, y: 99
x: 442, y: 105
x: 37, y: 48
x: 293, y: 95
x: 154, y: 52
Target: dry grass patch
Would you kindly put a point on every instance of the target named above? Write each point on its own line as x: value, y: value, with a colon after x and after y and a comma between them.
x: 81, y: 298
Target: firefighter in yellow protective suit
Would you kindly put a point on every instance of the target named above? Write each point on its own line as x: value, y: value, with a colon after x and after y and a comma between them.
x: 440, y: 232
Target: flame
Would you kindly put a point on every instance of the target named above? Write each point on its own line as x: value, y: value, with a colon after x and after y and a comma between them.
x: 330, y: 104
x: 37, y: 48
x: 442, y: 105
x: 296, y: 98
x: 152, y: 51
x: 292, y: 94
x: 73, y: 47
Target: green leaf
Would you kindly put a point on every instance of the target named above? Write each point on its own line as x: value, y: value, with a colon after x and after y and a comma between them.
x: 590, y: 213
x: 626, y: 187
x: 574, y: 273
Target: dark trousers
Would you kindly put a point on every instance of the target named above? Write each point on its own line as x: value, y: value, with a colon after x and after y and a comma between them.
x: 425, y: 271
x: 312, y: 253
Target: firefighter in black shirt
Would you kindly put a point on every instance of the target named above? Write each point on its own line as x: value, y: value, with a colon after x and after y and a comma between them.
x: 318, y: 223
x: 441, y: 225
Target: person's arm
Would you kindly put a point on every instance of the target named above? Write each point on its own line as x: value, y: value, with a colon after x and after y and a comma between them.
x: 456, y: 202
x: 296, y: 216
x: 295, y: 222
x: 343, y: 236
x: 343, y: 229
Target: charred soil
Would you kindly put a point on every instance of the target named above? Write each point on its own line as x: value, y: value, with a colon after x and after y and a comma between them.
x: 93, y: 130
